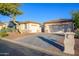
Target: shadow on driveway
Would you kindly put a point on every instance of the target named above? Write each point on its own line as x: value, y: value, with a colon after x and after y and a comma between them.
x: 52, y: 42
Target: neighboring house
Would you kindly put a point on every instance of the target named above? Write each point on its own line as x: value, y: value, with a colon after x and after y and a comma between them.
x: 61, y: 25
x: 2, y: 26
x: 30, y: 27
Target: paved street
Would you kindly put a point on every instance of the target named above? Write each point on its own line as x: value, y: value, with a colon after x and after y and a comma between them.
x: 10, y: 49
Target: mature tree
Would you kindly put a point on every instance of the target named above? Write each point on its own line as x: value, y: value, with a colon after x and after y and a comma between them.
x: 11, y: 10
x: 75, y: 17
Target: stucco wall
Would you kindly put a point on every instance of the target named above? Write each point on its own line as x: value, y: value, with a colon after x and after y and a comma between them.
x: 32, y: 28
x: 3, y: 26
x: 52, y: 27
x: 22, y: 26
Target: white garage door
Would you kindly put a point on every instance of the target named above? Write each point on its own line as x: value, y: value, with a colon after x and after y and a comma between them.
x: 34, y: 29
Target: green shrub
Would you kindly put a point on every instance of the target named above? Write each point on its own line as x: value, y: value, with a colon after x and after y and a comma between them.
x: 7, y: 30
x: 3, y: 34
x: 77, y: 34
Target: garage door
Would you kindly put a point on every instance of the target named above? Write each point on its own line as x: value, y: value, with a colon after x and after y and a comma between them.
x: 55, y: 28
x: 34, y: 29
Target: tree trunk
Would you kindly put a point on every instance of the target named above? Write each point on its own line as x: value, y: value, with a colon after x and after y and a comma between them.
x: 13, y: 18
x: 17, y: 27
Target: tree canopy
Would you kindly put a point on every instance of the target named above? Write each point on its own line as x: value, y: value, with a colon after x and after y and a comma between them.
x: 10, y: 9
x: 75, y: 17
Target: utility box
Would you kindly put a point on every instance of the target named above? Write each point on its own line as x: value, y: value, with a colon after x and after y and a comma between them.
x: 69, y: 43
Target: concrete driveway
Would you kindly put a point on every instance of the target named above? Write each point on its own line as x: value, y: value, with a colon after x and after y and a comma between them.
x: 48, y: 42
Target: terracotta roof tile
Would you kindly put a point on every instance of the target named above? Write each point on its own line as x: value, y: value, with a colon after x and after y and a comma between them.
x: 28, y: 22
x: 59, y: 21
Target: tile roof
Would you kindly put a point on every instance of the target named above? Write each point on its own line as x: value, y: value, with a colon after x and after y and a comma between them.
x: 28, y: 22
x: 59, y: 21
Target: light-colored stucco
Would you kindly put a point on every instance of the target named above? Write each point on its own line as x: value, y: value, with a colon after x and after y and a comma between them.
x: 31, y: 27
x: 22, y: 26
x: 2, y: 26
x: 65, y: 25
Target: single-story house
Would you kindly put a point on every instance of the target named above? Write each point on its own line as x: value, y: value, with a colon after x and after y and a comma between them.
x: 60, y: 25
x: 30, y: 27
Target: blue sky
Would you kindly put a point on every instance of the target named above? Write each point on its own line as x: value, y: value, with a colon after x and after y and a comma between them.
x: 42, y: 12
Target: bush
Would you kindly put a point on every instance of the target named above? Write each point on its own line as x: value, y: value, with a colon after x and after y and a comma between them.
x: 7, y: 30
x: 77, y: 34
x: 3, y: 34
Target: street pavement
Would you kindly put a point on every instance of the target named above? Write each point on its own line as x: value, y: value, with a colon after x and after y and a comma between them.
x: 11, y: 49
